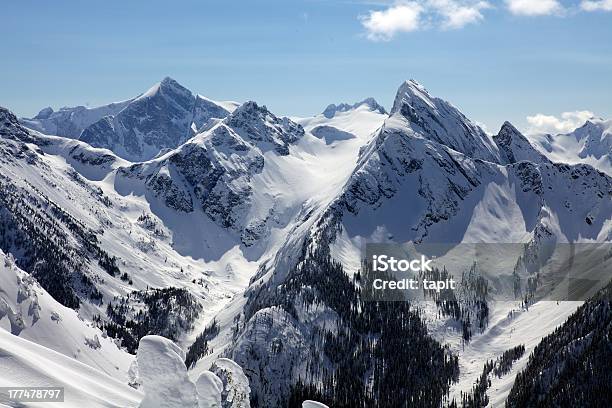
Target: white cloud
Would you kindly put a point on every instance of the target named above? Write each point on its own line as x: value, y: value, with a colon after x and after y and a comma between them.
x: 568, y: 121
x: 458, y: 15
x: 413, y: 15
x: 383, y: 25
x: 534, y: 7
x: 596, y: 5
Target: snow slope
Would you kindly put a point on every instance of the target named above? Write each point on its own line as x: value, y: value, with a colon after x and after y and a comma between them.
x: 24, y: 363
x: 27, y: 311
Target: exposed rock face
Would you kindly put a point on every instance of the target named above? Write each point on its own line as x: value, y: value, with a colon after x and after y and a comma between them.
x: 514, y: 147
x: 257, y: 125
x: 10, y: 127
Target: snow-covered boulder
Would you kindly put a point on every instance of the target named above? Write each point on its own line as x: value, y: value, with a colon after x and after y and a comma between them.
x: 209, y: 388
x: 236, y: 388
x: 163, y: 375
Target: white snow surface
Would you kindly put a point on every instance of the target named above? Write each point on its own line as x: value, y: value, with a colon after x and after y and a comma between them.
x: 29, y: 312
x: 26, y: 364
x: 163, y: 374
x: 163, y: 378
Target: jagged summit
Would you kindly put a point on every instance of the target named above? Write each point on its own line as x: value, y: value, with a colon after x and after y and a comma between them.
x: 369, y: 102
x: 10, y: 128
x: 408, y: 92
x: 250, y: 106
x: 255, y: 123
x: 168, y: 86
x: 169, y: 80
x: 44, y: 113
x: 514, y: 147
x: 437, y: 120
x: 510, y: 130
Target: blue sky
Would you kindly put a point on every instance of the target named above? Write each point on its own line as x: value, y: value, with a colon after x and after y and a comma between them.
x: 497, y: 60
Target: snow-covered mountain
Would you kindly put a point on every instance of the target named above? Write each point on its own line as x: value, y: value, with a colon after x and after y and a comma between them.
x: 410, y: 183
x: 589, y: 144
x: 368, y: 103
x: 514, y: 147
x: 70, y: 122
x: 439, y: 121
x: 138, y: 129
x: 215, y: 171
x: 29, y: 312
x: 164, y: 117
x: 237, y: 234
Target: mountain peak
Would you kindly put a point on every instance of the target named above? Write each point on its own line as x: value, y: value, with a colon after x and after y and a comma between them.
x: 10, y: 128
x: 411, y: 92
x: 369, y: 102
x: 438, y: 120
x: 168, y: 82
x: 514, y: 146
x: 255, y: 123
x: 44, y: 113
x: 168, y: 85
x: 508, y: 127
x: 592, y: 124
x: 250, y: 106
